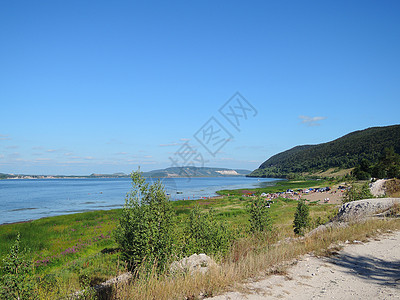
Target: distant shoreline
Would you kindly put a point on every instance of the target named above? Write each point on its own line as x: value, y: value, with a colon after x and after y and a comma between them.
x: 33, y: 177
x: 53, y: 196
x: 172, y: 172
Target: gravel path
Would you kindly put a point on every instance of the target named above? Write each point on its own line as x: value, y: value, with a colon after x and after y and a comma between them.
x: 359, y: 271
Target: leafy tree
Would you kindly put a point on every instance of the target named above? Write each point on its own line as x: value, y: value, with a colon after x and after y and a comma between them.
x: 17, y: 280
x: 145, y: 229
x: 260, y: 219
x: 205, y: 234
x: 301, y: 217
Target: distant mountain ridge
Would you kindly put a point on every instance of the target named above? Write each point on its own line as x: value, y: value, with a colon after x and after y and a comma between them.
x: 168, y: 172
x: 344, y: 152
x: 196, y: 172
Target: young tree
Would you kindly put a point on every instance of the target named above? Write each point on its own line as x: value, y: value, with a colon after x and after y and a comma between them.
x: 205, y: 234
x: 16, y: 275
x: 145, y: 229
x: 301, y: 217
x: 260, y: 219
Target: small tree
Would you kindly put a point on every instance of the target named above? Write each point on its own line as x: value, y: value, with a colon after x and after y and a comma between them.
x: 205, y: 234
x: 260, y: 219
x: 16, y: 280
x: 301, y: 217
x: 145, y: 229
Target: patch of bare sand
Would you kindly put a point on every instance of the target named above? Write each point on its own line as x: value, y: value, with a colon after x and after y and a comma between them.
x: 359, y: 271
x: 335, y: 197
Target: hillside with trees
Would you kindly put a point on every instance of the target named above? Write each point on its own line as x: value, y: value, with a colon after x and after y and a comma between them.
x: 346, y: 152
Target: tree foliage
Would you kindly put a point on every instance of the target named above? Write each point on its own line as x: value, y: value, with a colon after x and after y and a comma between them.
x: 260, y: 219
x: 345, y: 152
x: 301, y: 218
x: 205, y: 234
x: 387, y: 166
x: 145, y: 230
x: 16, y: 280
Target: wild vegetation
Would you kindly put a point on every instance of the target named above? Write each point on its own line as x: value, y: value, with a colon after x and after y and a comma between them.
x: 301, y: 218
x: 357, y: 191
x: 145, y: 230
x: 260, y: 219
x: 69, y: 253
x: 387, y: 166
x: 343, y: 153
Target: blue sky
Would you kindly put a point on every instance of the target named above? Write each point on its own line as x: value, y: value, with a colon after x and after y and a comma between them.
x: 100, y: 86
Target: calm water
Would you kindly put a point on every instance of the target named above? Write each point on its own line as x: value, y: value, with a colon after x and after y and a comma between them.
x: 25, y: 199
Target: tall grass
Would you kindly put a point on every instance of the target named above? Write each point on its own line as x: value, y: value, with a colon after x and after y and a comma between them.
x: 250, y: 257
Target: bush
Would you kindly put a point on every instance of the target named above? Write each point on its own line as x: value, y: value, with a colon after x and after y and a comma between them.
x: 354, y: 193
x: 260, y: 219
x: 17, y: 280
x: 145, y: 229
x: 301, y: 217
x: 205, y: 234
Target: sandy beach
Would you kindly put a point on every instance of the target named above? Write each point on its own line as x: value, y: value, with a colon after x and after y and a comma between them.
x: 368, y: 270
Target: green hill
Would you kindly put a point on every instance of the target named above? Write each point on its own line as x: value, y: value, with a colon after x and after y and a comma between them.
x: 342, y: 153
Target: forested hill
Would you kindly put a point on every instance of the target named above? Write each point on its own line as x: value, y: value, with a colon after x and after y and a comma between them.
x: 345, y: 152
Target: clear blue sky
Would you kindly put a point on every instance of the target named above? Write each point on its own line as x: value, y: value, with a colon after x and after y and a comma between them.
x: 105, y: 86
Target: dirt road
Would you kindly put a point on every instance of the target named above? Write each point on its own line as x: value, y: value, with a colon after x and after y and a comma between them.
x: 359, y: 271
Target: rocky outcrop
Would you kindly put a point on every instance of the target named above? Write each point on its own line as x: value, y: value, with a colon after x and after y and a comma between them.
x: 356, y: 210
x: 359, y: 210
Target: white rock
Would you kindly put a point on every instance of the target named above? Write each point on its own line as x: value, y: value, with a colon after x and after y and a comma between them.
x: 192, y: 264
x: 356, y: 210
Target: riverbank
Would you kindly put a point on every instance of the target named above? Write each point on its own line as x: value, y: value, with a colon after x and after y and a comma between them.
x: 73, y: 243
x: 82, y: 244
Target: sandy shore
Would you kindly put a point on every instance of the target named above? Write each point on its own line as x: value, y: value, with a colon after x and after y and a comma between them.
x: 359, y: 271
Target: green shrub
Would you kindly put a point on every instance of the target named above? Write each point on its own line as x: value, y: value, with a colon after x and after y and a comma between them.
x: 354, y: 193
x: 145, y: 229
x: 205, y: 234
x: 260, y: 219
x: 17, y: 279
x: 301, y: 218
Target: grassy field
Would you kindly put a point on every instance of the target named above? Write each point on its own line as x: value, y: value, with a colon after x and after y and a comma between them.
x: 72, y: 247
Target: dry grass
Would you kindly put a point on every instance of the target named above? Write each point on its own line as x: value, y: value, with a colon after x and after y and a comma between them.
x: 332, y: 172
x: 392, y: 187
x: 251, y: 258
